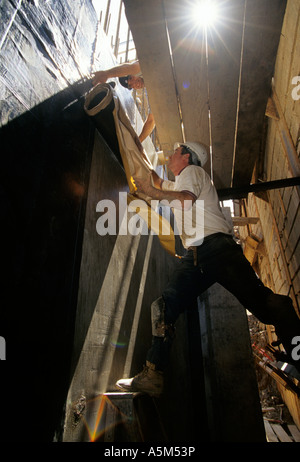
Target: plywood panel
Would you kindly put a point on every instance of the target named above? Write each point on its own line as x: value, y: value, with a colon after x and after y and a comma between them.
x: 287, y: 58
x: 292, y: 106
x: 262, y: 32
x: 147, y: 24
x: 176, y: 84
x: 214, y: 86
x: 225, y: 44
x: 189, y: 57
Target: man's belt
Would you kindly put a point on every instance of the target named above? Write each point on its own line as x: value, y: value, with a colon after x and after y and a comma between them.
x: 207, y: 238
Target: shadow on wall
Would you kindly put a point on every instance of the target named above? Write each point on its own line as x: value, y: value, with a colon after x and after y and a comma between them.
x: 46, y: 157
x: 45, y: 165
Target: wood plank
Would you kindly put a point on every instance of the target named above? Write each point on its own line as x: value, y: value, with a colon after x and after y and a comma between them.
x: 272, y: 136
x: 271, y: 110
x: 287, y: 141
x: 270, y: 434
x: 243, y: 221
x: 282, y: 435
x: 174, y: 108
x: 260, y: 48
x: 201, y: 88
x: 147, y: 24
x: 287, y: 61
x: 295, y: 433
x: 189, y: 57
x: 293, y: 403
x: 225, y: 46
x: 251, y: 245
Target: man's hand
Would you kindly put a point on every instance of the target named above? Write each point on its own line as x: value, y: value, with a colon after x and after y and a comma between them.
x: 99, y: 77
x: 118, y: 71
x: 182, y: 200
x: 144, y: 185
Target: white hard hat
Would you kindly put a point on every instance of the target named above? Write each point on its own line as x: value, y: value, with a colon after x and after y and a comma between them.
x: 197, y: 148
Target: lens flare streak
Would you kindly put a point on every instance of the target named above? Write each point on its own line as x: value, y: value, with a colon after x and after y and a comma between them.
x: 97, y: 427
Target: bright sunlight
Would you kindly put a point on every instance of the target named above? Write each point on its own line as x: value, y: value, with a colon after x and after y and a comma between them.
x: 205, y: 13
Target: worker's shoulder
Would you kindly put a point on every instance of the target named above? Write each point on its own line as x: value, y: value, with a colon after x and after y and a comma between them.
x: 194, y: 170
x: 194, y: 174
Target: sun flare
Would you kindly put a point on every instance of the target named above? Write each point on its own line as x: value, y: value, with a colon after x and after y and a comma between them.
x: 205, y: 13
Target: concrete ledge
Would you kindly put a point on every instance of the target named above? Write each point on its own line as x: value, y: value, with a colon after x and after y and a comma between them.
x: 233, y: 406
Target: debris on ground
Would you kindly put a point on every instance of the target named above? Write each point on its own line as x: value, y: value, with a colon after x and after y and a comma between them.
x: 273, y: 408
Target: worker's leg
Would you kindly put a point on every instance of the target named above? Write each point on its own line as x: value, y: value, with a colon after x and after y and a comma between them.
x: 181, y: 291
x: 235, y: 273
x: 186, y: 283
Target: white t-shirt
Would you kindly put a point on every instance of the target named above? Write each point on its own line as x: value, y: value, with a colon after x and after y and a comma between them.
x: 205, y: 217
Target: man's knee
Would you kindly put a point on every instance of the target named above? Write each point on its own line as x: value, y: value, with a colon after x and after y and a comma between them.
x: 281, y: 309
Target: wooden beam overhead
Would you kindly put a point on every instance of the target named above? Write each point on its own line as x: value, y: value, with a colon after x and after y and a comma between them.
x: 148, y: 27
x: 228, y: 81
x: 224, y: 65
x: 190, y: 70
x: 207, y: 77
x: 261, y: 38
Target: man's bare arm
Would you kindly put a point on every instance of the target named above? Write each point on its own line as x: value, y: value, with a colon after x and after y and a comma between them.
x: 118, y: 71
x: 147, y: 128
x: 184, y: 199
x: 157, y: 180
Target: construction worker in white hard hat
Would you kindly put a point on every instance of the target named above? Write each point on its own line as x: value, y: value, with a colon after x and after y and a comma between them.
x: 212, y: 255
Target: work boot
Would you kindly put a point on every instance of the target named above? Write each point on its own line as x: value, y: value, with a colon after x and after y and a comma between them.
x: 150, y: 381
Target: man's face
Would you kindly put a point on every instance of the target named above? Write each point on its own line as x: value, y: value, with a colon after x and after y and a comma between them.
x: 177, y: 161
x: 136, y: 82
